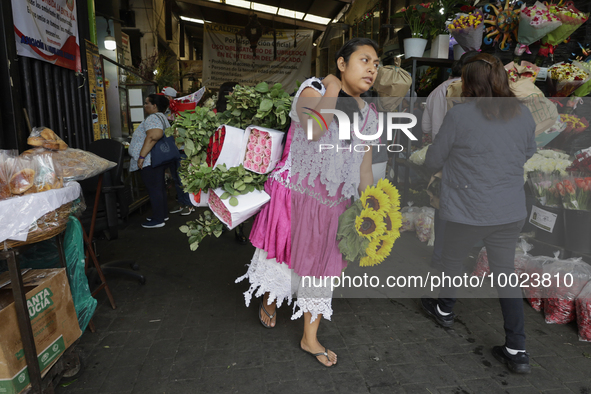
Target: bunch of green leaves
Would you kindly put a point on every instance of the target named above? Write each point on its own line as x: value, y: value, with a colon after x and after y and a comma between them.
x: 440, y: 12
x: 193, y: 129
x: 351, y: 244
x: 206, y: 224
x: 259, y: 106
x: 235, y: 181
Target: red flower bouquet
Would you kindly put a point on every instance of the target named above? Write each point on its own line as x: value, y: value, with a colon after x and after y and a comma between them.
x: 575, y: 193
x: 582, y: 162
x: 482, y: 268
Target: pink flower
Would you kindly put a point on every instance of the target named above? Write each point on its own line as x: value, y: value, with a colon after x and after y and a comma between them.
x: 249, y: 155
x: 267, y: 152
x: 253, y: 138
x: 264, y: 168
x: 250, y: 146
x: 248, y: 165
x: 266, y: 161
x: 256, y: 167
x: 258, y: 149
x: 254, y: 132
x: 257, y: 159
x: 264, y: 134
x: 263, y: 140
x: 269, y: 144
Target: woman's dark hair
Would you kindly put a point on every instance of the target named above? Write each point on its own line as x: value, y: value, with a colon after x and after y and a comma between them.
x: 225, y: 89
x: 161, y: 102
x: 485, y: 78
x: 456, y: 68
x: 351, y: 46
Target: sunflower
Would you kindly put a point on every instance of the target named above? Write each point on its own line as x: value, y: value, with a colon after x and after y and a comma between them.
x: 375, y: 199
x: 385, y: 186
x: 370, y: 224
x: 377, y: 251
x: 393, y: 221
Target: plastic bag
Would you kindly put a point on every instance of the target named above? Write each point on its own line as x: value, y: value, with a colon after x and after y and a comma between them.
x: 75, y: 164
x: 533, y: 290
x: 522, y: 257
x: 46, y: 138
x: 409, y: 216
x: 583, y: 309
x: 568, y: 277
x: 425, y: 225
x: 48, y: 174
x: 418, y: 156
x: 23, y: 176
x: 6, y: 168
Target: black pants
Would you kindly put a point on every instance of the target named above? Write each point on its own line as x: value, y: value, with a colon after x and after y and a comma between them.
x: 154, y: 180
x: 439, y: 239
x: 500, y: 243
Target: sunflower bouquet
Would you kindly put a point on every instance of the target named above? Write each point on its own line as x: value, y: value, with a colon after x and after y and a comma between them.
x: 370, y: 226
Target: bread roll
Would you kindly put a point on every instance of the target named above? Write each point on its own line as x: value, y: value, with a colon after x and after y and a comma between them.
x: 35, y: 141
x: 4, y: 191
x: 62, y: 145
x: 49, y: 135
x: 22, y: 181
x: 53, y: 145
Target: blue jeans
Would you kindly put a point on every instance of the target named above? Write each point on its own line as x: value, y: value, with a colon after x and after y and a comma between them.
x: 154, y: 180
x: 181, y: 196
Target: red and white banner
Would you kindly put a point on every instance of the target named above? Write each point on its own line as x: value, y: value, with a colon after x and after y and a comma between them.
x: 47, y: 30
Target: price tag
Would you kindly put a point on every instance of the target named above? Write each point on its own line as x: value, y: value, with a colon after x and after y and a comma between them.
x: 542, y: 74
x: 542, y: 219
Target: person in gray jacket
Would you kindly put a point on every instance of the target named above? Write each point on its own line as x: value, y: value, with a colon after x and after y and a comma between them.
x: 482, y: 146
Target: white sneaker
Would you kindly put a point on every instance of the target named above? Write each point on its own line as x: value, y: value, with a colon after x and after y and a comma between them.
x: 177, y: 208
x: 187, y: 210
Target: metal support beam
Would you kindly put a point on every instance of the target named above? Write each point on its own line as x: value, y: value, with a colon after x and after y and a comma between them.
x: 261, y: 15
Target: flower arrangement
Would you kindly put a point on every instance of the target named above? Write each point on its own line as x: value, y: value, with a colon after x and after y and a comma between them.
x: 427, y: 81
x: 545, y: 189
x: 582, y: 162
x: 548, y: 162
x: 583, y: 311
x: 415, y: 17
x: 565, y: 78
x: 584, y: 89
x: 258, y: 151
x: 571, y: 19
x: 524, y: 70
x: 370, y: 226
x: 574, y: 124
x: 218, y: 207
x: 575, y: 193
x: 193, y: 130
x: 535, y: 22
x: 441, y: 11
x: 467, y: 29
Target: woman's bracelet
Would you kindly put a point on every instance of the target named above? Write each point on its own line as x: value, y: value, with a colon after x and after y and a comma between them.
x: 142, y: 157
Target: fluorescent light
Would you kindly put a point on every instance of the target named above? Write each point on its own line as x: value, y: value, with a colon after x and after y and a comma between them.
x: 192, y: 20
x: 264, y: 8
x: 402, y: 54
x: 291, y: 13
x: 110, y: 43
x: 239, y: 3
x: 314, y: 44
x: 317, y: 19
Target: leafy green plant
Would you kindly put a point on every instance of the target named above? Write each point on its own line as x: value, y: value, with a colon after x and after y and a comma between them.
x: 259, y: 106
x: 206, y: 224
x: 193, y: 130
x: 234, y: 181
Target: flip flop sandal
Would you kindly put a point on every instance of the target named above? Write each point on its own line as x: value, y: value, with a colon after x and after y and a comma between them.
x: 324, y: 353
x: 261, y: 307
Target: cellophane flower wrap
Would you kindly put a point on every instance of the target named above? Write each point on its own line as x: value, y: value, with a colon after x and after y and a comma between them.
x: 370, y: 226
x: 218, y: 207
x: 568, y: 278
x: 425, y: 225
x: 575, y: 192
x: 225, y: 147
x: 583, y: 309
x: 564, y: 78
x: 409, y: 217
x: 535, y: 22
x: 582, y: 162
x: 525, y: 70
x: 585, y: 88
x: 544, y: 187
x: 468, y: 29
x: 522, y: 258
x: 571, y: 19
x: 263, y: 148
x: 236, y: 209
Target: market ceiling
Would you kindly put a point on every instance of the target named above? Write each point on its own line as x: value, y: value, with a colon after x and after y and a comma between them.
x: 283, y: 14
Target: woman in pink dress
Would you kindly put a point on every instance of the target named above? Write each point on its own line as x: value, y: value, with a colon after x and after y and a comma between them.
x: 295, y: 234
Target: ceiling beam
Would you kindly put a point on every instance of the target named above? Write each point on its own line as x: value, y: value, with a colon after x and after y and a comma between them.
x: 261, y: 15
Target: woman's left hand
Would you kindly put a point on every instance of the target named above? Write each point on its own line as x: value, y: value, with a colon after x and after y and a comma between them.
x: 140, y: 163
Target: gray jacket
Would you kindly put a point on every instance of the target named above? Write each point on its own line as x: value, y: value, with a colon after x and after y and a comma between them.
x: 482, y: 161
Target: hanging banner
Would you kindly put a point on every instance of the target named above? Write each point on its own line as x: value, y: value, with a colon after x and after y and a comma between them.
x: 125, y: 49
x: 224, y: 62
x: 98, y: 104
x: 47, y: 30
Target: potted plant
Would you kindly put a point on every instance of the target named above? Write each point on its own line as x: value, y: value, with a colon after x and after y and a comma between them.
x: 440, y: 13
x: 415, y: 17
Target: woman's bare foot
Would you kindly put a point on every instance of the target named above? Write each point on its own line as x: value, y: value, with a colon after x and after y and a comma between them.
x: 271, y: 311
x: 316, y: 347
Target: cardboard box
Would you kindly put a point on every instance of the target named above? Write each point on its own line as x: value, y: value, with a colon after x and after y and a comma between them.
x: 54, y: 323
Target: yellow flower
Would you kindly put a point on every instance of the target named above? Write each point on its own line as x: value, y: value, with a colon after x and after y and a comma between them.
x: 377, y: 251
x: 370, y: 224
x: 373, y: 198
x: 385, y: 186
x: 393, y: 222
